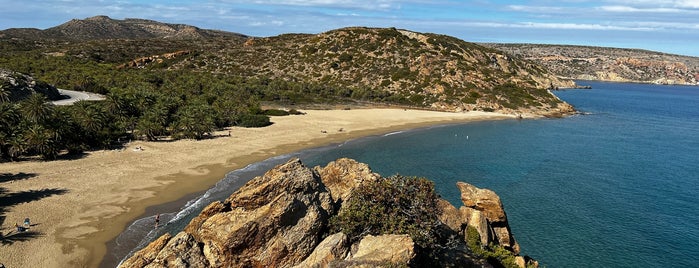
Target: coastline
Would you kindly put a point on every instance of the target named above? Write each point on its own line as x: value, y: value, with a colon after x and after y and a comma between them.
x: 90, y: 200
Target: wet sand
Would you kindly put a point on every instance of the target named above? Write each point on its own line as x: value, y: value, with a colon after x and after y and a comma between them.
x: 77, y: 205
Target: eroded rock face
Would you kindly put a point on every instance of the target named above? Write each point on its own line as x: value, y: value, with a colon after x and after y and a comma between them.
x: 484, y: 205
x: 281, y: 219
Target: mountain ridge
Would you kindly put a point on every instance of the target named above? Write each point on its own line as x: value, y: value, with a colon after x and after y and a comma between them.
x: 104, y: 27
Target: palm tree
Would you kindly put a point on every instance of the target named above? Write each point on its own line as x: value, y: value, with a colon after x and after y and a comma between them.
x: 4, y: 93
x: 40, y: 140
x: 89, y: 117
x: 16, y: 146
x: 36, y: 108
x: 195, y: 120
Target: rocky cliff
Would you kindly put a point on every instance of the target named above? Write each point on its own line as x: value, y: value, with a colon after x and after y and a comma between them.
x: 609, y: 64
x: 285, y: 219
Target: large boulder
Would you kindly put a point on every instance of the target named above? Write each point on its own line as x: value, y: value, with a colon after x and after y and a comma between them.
x: 343, y: 175
x: 382, y: 251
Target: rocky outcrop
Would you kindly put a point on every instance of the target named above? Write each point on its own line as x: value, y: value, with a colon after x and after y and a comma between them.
x: 485, y: 212
x: 281, y: 219
x: 142, y: 62
x: 343, y: 175
x: 16, y: 86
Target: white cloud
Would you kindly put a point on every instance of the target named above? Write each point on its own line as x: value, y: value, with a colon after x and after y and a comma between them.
x: 629, y: 9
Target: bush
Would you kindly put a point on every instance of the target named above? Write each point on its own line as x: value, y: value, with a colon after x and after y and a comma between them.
x: 394, y: 205
x: 254, y: 120
x: 495, y: 254
x: 275, y: 112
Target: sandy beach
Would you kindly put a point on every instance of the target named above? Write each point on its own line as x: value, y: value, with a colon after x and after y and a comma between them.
x: 77, y: 205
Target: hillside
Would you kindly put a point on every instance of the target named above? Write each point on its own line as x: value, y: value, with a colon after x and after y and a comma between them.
x: 396, y: 66
x: 103, y: 27
x: 608, y: 64
x: 350, y: 65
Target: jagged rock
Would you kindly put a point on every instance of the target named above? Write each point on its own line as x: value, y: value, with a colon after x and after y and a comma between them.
x: 384, y: 250
x: 451, y: 216
x: 478, y: 221
x: 274, y: 220
x: 332, y: 248
x: 146, y: 256
x: 180, y: 251
x: 484, y: 200
x: 487, y: 203
x: 343, y: 175
x: 279, y: 219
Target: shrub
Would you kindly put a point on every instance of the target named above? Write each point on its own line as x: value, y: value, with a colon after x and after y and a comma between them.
x: 254, y: 120
x: 496, y: 255
x: 275, y: 112
x: 394, y: 205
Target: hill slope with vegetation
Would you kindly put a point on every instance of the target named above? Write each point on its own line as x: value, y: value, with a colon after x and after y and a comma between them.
x: 609, y: 64
x: 390, y: 65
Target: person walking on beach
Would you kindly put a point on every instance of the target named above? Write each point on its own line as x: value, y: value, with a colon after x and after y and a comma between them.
x: 157, y: 220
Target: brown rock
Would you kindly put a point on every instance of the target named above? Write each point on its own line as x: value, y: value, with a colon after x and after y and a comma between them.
x: 383, y: 250
x: 180, y: 251
x: 332, y: 248
x: 343, y: 175
x: 484, y: 200
x: 451, y: 216
x: 147, y: 254
x: 488, y: 205
x: 478, y: 221
x: 274, y: 220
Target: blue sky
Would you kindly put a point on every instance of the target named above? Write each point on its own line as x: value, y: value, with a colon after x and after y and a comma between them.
x: 662, y: 25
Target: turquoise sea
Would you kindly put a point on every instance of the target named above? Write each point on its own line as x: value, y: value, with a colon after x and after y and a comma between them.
x: 615, y: 186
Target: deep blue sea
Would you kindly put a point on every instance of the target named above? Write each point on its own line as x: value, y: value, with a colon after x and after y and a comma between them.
x: 616, y: 186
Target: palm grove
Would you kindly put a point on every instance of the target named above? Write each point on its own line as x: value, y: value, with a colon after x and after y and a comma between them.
x: 148, y: 104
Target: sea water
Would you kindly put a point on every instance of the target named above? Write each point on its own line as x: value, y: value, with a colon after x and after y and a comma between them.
x: 615, y: 186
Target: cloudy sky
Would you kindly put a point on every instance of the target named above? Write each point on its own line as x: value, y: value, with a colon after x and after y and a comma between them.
x: 661, y: 25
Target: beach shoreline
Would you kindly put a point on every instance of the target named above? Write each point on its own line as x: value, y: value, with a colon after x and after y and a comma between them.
x: 81, y: 204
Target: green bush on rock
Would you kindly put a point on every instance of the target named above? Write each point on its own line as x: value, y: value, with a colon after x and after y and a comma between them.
x: 393, y: 205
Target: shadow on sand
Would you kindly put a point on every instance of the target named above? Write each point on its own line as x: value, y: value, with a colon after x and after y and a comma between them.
x: 9, y: 199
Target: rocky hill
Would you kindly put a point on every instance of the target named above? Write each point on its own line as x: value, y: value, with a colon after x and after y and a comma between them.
x: 16, y: 86
x: 608, y: 64
x: 357, y: 64
x: 289, y: 216
x: 421, y: 69
x: 103, y: 27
